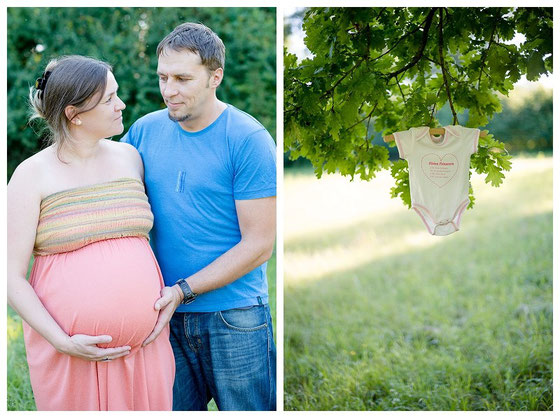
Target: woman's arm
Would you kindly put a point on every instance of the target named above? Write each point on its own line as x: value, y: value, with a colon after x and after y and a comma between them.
x: 24, y: 200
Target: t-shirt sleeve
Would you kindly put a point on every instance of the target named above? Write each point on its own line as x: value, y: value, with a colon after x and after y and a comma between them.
x: 254, y: 163
x: 471, y: 135
x: 404, y: 141
x: 475, y: 137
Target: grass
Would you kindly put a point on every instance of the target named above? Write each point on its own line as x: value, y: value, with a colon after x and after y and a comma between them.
x: 20, y: 396
x: 19, y: 393
x: 380, y: 315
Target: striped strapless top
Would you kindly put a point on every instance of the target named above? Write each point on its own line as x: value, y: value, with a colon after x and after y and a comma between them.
x: 74, y: 218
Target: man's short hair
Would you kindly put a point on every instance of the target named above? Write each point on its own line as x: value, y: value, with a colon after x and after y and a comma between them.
x: 199, y: 39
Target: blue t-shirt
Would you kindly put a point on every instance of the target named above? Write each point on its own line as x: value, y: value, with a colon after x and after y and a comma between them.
x: 192, y: 181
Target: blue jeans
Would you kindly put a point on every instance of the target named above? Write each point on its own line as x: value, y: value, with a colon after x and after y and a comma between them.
x: 229, y: 356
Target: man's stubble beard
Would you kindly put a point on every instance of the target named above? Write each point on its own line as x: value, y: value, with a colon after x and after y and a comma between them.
x: 178, y: 118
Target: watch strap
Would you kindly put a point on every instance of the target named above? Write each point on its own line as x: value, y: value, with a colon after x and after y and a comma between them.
x: 188, y: 295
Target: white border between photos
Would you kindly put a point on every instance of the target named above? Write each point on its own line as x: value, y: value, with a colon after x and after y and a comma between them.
x: 555, y: 215
x: 279, y: 210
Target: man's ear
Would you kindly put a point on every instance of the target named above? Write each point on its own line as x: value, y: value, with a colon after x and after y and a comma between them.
x: 216, y: 78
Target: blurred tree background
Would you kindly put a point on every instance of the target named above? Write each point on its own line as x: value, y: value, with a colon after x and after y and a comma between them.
x: 127, y: 39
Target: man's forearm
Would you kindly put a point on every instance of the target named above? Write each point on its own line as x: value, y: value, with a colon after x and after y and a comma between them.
x: 236, y: 262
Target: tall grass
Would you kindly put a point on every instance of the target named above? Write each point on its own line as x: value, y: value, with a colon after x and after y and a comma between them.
x: 380, y: 315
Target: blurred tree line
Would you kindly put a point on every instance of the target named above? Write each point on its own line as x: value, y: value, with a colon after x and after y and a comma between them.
x: 525, y: 124
x: 127, y: 39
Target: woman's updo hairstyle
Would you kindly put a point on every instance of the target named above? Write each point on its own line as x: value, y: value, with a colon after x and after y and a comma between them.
x: 71, y: 80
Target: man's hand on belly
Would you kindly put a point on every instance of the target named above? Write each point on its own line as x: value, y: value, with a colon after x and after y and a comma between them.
x: 171, y: 297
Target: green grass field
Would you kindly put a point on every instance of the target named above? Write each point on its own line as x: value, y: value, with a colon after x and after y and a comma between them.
x: 19, y: 393
x: 380, y: 315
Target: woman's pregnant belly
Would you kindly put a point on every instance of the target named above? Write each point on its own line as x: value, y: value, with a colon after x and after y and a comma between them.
x: 105, y: 288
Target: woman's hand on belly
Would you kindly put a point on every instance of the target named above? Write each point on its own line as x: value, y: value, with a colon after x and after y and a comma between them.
x: 85, y: 347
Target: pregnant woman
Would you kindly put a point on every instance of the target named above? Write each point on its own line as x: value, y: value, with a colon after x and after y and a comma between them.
x: 79, y: 206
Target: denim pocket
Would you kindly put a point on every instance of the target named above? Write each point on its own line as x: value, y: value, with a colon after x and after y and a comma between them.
x: 244, y: 319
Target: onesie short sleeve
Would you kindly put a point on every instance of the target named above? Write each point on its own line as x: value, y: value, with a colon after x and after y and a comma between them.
x: 404, y: 141
x: 470, y: 136
x: 475, y: 134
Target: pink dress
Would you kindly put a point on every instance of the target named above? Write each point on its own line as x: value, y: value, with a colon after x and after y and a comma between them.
x: 95, y: 273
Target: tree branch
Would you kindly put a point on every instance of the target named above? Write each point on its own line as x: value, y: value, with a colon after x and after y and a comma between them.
x: 380, y: 12
x: 421, y: 48
x: 505, y: 46
x: 439, y: 64
x: 490, y: 42
x: 434, y: 106
x: 402, y: 94
x: 343, y: 77
x: 361, y: 106
x: 299, y: 81
x: 443, y: 71
x: 368, y: 116
x: 367, y: 130
x: 416, y: 29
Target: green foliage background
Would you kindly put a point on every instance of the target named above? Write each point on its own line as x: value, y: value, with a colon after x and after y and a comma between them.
x: 127, y: 39
x: 387, y: 69
x: 528, y: 124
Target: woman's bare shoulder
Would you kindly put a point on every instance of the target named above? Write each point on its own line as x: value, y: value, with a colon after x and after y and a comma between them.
x: 32, y: 173
x: 126, y: 153
x: 122, y: 149
x: 36, y: 165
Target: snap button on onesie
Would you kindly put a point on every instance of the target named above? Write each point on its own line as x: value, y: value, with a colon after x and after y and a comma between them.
x: 439, y: 174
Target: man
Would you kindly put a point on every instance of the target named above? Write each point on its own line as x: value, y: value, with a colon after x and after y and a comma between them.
x: 210, y: 174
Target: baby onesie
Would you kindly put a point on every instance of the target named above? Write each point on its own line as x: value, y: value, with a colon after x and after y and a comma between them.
x: 439, y: 173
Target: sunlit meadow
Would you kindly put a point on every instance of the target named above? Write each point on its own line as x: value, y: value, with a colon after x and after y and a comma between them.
x: 380, y: 315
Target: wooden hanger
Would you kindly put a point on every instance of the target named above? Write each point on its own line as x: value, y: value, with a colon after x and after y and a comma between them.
x: 433, y: 131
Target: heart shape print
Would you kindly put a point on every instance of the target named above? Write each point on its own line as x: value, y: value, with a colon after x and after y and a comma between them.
x: 439, y: 170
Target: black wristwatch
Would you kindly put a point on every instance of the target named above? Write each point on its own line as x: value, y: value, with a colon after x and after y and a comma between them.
x: 188, y: 295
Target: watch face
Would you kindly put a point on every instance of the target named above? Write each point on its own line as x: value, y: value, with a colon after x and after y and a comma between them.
x: 189, y: 296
